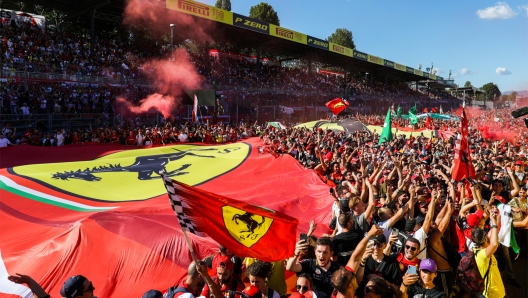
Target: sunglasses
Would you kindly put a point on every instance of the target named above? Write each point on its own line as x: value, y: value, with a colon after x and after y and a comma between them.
x: 370, y: 289
x: 377, y: 244
x: 304, y: 288
x: 90, y: 288
x: 412, y: 248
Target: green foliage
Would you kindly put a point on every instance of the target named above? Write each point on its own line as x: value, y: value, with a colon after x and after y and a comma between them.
x: 468, y: 84
x: 492, y: 91
x: 223, y: 4
x: 264, y: 12
x: 342, y: 37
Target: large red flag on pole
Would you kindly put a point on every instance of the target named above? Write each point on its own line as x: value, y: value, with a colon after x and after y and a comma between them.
x: 337, y: 105
x: 247, y: 230
x: 463, y: 167
x: 428, y: 122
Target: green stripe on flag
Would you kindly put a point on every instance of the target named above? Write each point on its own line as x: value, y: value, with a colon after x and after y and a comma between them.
x: 59, y: 202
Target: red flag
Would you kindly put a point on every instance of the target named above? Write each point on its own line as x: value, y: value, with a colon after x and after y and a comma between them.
x: 425, y: 110
x: 337, y: 105
x: 463, y: 166
x: 434, y: 110
x: 428, y: 122
x: 247, y: 230
x: 459, y: 112
x: 195, y: 109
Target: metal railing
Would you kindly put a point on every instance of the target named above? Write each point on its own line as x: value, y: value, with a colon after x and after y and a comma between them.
x: 39, y: 76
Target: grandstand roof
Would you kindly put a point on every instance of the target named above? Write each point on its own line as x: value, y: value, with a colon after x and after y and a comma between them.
x: 245, y: 37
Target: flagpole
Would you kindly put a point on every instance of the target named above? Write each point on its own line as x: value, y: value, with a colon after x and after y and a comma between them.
x: 189, y: 244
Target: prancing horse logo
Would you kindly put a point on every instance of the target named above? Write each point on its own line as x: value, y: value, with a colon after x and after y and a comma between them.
x: 251, y: 224
x: 144, y: 166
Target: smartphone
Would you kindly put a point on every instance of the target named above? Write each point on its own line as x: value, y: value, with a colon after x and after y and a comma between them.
x: 331, y: 190
x: 411, y: 270
x: 303, y: 237
x: 395, y: 232
x: 370, y: 244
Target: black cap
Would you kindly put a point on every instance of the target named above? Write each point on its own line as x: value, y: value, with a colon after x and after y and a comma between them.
x: 73, y: 287
x: 379, y: 238
x: 152, y: 294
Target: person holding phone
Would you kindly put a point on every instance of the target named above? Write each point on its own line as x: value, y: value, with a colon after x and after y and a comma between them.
x: 420, y: 284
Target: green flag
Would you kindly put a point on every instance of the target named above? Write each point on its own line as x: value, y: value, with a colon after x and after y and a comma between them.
x: 386, y: 133
x: 412, y: 115
x: 399, y: 111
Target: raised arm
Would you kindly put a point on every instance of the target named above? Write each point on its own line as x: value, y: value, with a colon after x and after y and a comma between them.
x: 371, y: 203
x: 35, y: 288
x: 292, y: 264
x: 513, y: 179
x: 428, y: 220
x: 494, y: 234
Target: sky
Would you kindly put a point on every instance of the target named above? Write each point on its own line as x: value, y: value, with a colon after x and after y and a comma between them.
x: 478, y: 41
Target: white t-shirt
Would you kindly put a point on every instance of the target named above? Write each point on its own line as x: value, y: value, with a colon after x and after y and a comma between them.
x: 421, y: 237
x: 336, y: 211
x: 4, y: 142
x: 60, y: 139
x: 25, y: 110
x: 386, y: 229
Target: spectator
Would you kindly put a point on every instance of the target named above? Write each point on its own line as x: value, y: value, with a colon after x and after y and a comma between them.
x: 258, y: 273
x: 422, y: 285
x: 224, y: 279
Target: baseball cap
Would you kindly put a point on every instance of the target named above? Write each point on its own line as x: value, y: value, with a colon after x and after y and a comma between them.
x: 225, y: 262
x: 428, y: 264
x: 152, y: 294
x: 73, y: 287
x: 297, y: 295
x: 252, y: 292
x: 409, y: 224
x: 519, y: 163
x: 379, y: 238
x: 473, y: 218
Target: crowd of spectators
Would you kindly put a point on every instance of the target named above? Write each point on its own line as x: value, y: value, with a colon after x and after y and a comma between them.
x: 401, y: 227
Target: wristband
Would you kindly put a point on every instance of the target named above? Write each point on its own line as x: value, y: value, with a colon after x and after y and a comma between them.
x: 405, y: 285
x: 494, y: 227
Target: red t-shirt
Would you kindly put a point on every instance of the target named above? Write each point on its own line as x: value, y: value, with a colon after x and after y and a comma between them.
x: 131, y: 139
x: 224, y: 288
x: 404, y: 263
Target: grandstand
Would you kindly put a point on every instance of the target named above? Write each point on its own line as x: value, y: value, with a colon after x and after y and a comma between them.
x: 247, y: 90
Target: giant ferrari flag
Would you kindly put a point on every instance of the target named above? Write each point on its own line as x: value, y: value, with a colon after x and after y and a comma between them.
x: 245, y: 229
x: 463, y: 167
x: 337, y: 105
x: 102, y: 211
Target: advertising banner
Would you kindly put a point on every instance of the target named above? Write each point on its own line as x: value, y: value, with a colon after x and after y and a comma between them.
x: 333, y: 47
x: 409, y: 69
x: 388, y: 63
x: 250, y: 24
x: 288, y: 34
x: 418, y: 72
x: 400, y: 67
x: 19, y: 17
x: 318, y: 43
x: 375, y: 59
x: 360, y: 55
x: 201, y: 10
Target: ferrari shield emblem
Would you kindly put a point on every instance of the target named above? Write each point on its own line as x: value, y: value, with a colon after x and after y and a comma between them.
x: 245, y: 227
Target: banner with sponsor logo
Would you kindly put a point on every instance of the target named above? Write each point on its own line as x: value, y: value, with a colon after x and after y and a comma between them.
x: 317, y: 43
x: 360, y: 55
x: 409, y: 69
x: 400, y: 67
x: 418, y: 72
x: 388, y: 63
x: 251, y: 24
x: 288, y: 34
x: 19, y: 17
x: 333, y: 47
x: 201, y: 10
x: 375, y: 59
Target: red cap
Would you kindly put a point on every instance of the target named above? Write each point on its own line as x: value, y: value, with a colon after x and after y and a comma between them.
x: 473, y: 218
x: 500, y: 199
x: 297, y: 295
x: 225, y: 262
x: 519, y: 163
x: 252, y: 291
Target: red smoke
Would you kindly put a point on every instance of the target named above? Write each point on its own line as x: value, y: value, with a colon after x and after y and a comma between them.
x: 156, y: 17
x: 170, y: 78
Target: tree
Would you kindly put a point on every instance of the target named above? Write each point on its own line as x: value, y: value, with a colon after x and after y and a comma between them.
x: 223, y: 4
x: 492, y: 91
x: 468, y: 84
x: 264, y: 12
x: 342, y: 37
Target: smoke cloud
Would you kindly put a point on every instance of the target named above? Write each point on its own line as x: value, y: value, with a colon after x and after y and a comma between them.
x: 169, y: 78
